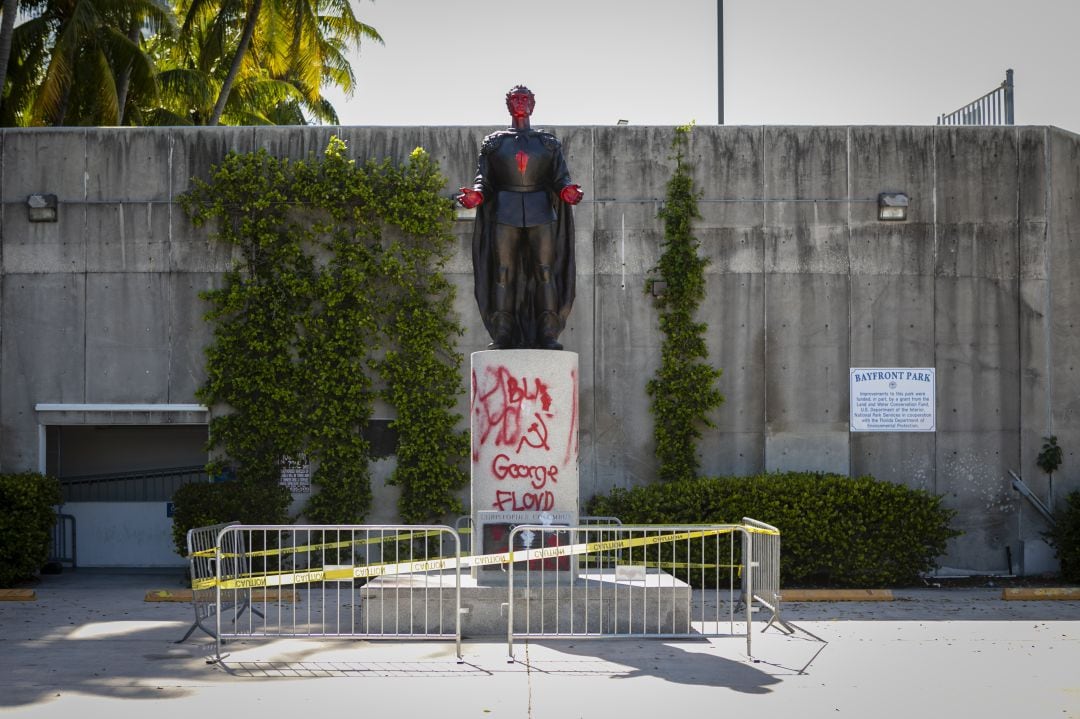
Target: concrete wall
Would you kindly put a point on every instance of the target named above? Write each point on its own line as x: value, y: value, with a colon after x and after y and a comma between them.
x: 804, y: 282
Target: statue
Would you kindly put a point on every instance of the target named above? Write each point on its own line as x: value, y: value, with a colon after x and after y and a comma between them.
x: 523, y: 237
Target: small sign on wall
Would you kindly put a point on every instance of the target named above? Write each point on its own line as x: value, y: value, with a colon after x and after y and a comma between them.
x: 296, y: 475
x: 893, y: 399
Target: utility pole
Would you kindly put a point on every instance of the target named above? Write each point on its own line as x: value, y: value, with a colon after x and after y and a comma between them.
x: 720, y: 58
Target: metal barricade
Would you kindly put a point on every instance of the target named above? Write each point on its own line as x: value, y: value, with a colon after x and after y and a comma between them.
x: 342, y: 581
x: 761, y: 581
x: 203, y: 566
x: 592, y: 521
x: 62, y: 549
x: 761, y: 548
x: 626, y: 581
x: 464, y: 528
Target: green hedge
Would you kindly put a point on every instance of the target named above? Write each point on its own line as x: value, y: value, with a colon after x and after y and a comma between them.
x: 1065, y: 536
x: 835, y: 530
x: 206, y: 503
x: 27, y: 517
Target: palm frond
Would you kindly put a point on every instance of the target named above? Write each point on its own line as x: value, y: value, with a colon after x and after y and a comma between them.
x: 106, y: 110
x: 163, y: 117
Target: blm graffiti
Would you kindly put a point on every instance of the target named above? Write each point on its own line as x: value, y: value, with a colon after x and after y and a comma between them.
x: 524, y: 444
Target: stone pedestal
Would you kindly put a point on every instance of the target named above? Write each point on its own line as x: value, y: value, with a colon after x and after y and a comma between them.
x: 524, y: 421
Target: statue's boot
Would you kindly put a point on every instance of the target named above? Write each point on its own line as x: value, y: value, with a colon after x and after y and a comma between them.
x: 550, y: 325
x: 502, y: 320
x: 549, y: 331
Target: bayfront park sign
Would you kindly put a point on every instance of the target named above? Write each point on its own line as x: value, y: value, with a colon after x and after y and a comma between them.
x: 892, y: 399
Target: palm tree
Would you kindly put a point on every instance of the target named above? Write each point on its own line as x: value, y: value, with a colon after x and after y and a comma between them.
x: 322, y: 31
x: 191, y: 76
x: 72, y: 63
x: 7, y: 25
x: 299, y: 42
x: 108, y: 62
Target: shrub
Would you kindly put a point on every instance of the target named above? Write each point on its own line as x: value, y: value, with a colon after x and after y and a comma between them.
x: 203, y: 504
x: 684, y: 390
x: 338, y: 300
x: 27, y: 517
x: 835, y: 531
x: 1065, y: 536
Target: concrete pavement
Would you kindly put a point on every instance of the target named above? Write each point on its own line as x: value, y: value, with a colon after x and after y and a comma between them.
x: 90, y: 645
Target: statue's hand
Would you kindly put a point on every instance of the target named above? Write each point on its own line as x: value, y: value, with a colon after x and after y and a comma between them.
x: 571, y: 194
x: 470, y: 198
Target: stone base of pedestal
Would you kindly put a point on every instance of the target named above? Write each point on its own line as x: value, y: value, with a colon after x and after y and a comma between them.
x: 593, y: 602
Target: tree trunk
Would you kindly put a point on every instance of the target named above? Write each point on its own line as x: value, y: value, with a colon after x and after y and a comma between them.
x: 124, y: 81
x: 241, y: 50
x: 7, y: 26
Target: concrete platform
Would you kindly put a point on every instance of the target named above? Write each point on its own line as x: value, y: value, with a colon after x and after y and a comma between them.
x: 586, y: 601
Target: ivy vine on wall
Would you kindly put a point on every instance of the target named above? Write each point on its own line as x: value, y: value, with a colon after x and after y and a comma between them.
x: 337, y: 300
x: 683, y: 391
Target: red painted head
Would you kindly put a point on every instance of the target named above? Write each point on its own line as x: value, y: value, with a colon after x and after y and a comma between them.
x: 520, y: 101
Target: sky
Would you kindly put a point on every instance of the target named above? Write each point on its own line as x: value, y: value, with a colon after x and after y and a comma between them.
x: 786, y: 62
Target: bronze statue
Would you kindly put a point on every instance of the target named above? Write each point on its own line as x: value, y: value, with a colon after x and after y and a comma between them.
x: 523, y: 238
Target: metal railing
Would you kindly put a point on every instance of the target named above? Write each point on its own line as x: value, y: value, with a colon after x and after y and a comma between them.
x: 344, y: 581
x: 761, y: 582
x: 761, y: 547
x: 203, y: 562
x: 993, y: 108
x: 627, y: 581
x: 62, y: 548
x: 404, y: 581
x: 155, y: 485
x: 1020, y: 486
x: 464, y: 527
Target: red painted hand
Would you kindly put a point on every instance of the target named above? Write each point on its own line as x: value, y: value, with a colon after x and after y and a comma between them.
x: 470, y: 198
x: 571, y: 194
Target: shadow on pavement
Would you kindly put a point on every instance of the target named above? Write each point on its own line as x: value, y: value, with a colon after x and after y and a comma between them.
x: 91, y: 633
x: 696, y: 663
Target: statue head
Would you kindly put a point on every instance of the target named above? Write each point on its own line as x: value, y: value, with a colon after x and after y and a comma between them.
x: 520, y: 101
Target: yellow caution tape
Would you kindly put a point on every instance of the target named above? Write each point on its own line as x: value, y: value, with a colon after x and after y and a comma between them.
x: 403, y: 537
x: 595, y: 561
x: 275, y: 579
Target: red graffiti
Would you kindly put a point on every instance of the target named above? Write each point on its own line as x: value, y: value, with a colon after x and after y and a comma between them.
x: 513, y: 410
x: 572, y: 439
x: 497, y: 539
x: 537, y: 474
x: 551, y: 539
x: 512, y: 501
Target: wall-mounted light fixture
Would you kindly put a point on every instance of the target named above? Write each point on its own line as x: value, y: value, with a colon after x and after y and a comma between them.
x: 892, y: 206
x: 622, y: 122
x: 658, y: 288
x: 41, y: 208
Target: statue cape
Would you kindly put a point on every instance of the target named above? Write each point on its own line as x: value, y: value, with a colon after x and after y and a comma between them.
x: 526, y: 300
